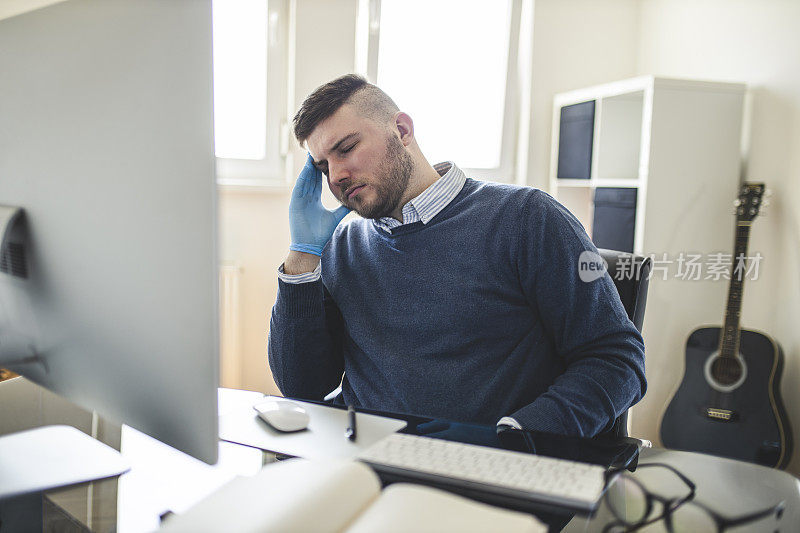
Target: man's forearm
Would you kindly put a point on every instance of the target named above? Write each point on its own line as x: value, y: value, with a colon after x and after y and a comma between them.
x: 304, y: 347
x: 586, y: 398
x: 300, y: 263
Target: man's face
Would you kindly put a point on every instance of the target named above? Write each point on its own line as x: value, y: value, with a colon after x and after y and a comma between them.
x: 367, y: 167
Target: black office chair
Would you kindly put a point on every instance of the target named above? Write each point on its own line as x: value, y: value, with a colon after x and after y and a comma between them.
x: 631, y: 276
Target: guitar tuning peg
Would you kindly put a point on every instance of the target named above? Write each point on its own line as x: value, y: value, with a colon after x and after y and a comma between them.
x: 737, y: 202
x: 765, y: 203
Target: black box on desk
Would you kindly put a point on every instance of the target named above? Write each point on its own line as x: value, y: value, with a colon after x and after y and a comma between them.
x: 614, y: 218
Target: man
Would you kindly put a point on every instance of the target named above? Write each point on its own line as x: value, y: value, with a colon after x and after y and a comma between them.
x: 450, y: 297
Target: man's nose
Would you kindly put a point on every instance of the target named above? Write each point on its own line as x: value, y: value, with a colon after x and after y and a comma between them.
x: 339, y: 175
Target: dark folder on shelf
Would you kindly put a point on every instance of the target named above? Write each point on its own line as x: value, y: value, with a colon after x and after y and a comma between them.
x: 576, y: 132
x: 614, y: 218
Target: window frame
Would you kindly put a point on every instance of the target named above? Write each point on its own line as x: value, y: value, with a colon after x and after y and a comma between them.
x: 268, y: 172
x: 368, y: 52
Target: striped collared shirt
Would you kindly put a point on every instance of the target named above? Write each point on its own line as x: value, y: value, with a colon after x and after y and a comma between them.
x: 432, y: 200
x: 421, y: 208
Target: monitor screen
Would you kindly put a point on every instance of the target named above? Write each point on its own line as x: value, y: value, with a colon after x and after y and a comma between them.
x: 106, y: 146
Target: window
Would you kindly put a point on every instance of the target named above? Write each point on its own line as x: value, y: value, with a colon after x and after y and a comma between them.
x: 250, y: 43
x: 452, y: 65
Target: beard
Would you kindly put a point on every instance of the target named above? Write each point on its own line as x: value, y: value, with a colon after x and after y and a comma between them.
x: 390, y: 184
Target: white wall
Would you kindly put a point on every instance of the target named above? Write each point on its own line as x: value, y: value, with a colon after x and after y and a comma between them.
x: 254, y: 232
x: 10, y: 8
x: 576, y: 43
x: 756, y: 43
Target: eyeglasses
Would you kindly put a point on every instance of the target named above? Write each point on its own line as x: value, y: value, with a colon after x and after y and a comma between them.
x: 635, y: 507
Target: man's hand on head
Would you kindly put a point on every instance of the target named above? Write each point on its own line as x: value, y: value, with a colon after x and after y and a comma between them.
x: 311, y: 225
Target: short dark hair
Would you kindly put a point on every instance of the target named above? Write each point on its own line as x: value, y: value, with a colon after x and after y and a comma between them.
x: 326, y: 100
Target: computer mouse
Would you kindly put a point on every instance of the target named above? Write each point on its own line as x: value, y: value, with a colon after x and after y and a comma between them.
x: 283, y: 415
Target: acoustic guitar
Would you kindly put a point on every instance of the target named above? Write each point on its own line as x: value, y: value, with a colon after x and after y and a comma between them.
x: 729, y: 402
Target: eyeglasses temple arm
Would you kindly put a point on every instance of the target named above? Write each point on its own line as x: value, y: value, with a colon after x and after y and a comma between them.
x: 777, y: 510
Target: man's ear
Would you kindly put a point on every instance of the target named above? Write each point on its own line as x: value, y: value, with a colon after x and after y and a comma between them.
x: 405, y: 127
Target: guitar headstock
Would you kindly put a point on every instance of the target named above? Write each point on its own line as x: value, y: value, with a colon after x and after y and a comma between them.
x: 750, y: 201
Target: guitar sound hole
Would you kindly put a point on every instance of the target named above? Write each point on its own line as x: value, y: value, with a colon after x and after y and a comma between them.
x: 726, y: 371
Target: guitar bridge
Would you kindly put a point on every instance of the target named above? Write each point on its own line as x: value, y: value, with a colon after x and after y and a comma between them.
x: 722, y: 415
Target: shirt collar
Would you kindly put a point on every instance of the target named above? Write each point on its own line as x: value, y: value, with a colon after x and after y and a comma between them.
x: 432, y: 200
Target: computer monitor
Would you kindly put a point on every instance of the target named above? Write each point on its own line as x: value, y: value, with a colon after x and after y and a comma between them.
x: 106, y: 143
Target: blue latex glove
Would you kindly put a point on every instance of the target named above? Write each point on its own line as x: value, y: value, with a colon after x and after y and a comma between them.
x: 310, y: 223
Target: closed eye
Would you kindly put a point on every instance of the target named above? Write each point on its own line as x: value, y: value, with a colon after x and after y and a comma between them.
x: 345, y: 150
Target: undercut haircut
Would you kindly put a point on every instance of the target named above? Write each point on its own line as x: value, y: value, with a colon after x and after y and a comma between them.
x: 368, y: 99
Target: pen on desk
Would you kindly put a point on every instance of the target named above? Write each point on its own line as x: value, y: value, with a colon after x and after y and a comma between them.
x: 350, y: 432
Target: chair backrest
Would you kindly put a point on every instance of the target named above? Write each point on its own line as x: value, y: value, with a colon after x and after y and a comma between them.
x: 631, y: 276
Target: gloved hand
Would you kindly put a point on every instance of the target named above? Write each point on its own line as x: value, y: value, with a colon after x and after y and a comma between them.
x: 310, y: 223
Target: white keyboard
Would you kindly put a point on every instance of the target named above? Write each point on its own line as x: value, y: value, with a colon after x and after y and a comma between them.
x: 475, y: 469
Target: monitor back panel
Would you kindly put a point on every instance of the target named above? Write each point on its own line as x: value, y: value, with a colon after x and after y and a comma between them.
x: 106, y: 141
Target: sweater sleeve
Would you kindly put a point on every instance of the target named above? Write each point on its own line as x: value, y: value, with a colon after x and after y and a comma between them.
x: 305, y: 344
x: 601, y: 351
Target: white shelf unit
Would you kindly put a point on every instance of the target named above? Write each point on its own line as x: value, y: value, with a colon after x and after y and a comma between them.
x: 668, y: 138
x: 678, y: 142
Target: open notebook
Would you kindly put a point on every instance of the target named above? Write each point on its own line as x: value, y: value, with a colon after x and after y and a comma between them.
x: 339, y: 495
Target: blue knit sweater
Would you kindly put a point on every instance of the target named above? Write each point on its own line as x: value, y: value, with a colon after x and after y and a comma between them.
x: 477, y: 315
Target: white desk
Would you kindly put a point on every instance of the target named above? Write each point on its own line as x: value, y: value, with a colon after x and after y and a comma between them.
x: 162, y: 478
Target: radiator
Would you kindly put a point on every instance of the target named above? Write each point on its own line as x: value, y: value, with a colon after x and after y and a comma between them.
x: 230, y: 369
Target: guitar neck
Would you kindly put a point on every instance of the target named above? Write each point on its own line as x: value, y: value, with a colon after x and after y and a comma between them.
x: 729, y: 344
